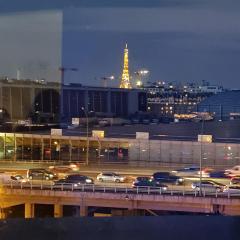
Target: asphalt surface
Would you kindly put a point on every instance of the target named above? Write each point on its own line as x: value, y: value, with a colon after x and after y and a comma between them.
x: 129, y: 173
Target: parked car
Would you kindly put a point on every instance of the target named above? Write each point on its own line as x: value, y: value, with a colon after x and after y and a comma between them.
x: 135, y: 121
x: 208, y: 186
x: 235, y: 181
x: 155, y: 121
x: 146, y: 121
x: 235, y: 171
x: 167, y: 177
x: 75, y: 179
x: 232, y: 189
x: 148, y: 182
x: 40, y: 174
x: 110, y: 177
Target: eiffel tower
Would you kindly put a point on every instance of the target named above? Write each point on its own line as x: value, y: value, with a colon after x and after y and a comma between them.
x: 125, y: 81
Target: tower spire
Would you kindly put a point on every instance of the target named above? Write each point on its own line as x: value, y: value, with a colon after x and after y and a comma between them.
x: 125, y: 80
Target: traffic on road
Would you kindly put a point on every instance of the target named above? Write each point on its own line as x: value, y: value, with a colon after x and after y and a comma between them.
x: 187, y: 179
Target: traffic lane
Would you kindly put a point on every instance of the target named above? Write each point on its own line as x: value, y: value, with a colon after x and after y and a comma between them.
x: 118, y: 168
x: 116, y: 188
x: 106, y: 185
x: 129, y: 179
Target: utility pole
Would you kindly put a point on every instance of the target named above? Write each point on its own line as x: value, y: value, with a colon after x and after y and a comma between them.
x: 200, y: 162
x: 87, y: 153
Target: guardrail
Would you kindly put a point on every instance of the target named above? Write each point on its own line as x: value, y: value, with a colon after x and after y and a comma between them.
x: 117, y: 189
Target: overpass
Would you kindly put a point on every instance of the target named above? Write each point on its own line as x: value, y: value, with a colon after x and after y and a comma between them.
x: 131, y: 200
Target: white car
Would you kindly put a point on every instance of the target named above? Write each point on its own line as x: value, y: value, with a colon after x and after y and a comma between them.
x: 235, y: 171
x: 232, y: 189
x: 110, y: 177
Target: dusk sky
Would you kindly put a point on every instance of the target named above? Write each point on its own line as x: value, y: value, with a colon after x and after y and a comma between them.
x: 181, y: 41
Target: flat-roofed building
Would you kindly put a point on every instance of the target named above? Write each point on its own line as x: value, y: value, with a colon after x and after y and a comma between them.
x: 40, y: 101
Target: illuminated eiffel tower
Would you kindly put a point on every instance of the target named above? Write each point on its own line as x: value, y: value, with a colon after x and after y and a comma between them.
x: 125, y: 81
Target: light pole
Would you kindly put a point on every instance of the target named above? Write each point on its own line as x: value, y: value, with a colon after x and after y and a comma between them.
x: 140, y: 74
x: 200, y: 162
x: 106, y: 79
x: 87, y: 153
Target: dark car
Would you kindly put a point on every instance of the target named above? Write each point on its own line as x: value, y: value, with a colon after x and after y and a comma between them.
x: 40, y: 174
x: 167, y: 177
x: 75, y: 179
x: 218, y: 174
x: 235, y: 181
x: 148, y: 182
x: 187, y: 171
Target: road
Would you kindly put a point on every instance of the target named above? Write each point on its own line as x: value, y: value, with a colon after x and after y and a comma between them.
x: 130, y: 177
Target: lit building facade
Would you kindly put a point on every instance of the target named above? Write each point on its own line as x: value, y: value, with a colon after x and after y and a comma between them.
x: 136, y: 152
x: 167, y: 99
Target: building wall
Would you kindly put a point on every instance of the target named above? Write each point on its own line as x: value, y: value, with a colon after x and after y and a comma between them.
x: 24, y: 99
x: 28, y: 147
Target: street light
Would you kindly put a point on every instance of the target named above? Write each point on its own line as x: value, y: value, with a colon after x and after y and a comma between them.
x: 87, y: 153
x: 140, y: 74
x: 200, y: 162
x: 106, y: 79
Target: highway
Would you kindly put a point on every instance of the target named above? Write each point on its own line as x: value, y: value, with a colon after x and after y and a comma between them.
x: 186, y: 187
x: 183, y: 190
x: 129, y: 172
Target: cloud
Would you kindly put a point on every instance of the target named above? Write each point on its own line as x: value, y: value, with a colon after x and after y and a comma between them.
x: 200, y: 21
x: 9, y: 6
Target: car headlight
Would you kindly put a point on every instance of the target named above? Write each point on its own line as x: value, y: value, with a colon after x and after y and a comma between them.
x: 50, y: 175
x: 164, y: 188
x: 88, y: 180
x: 180, y: 179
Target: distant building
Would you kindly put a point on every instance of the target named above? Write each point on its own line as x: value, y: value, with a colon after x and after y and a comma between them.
x: 223, y: 105
x: 211, y: 89
x: 167, y: 99
x: 40, y: 101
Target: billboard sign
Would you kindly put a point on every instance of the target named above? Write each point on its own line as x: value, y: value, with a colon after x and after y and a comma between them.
x: 142, y: 135
x: 56, y: 132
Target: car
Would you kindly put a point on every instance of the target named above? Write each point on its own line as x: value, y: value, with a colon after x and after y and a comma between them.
x: 110, y: 177
x: 40, y: 174
x: 218, y: 174
x: 187, y: 171
x: 232, y: 189
x: 64, y: 168
x: 235, y: 181
x: 167, y: 177
x: 192, y: 172
x: 146, y: 121
x: 135, y: 121
x: 75, y: 179
x: 18, y: 178
x: 235, y: 171
x: 208, y: 186
x: 148, y: 182
x: 155, y: 121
